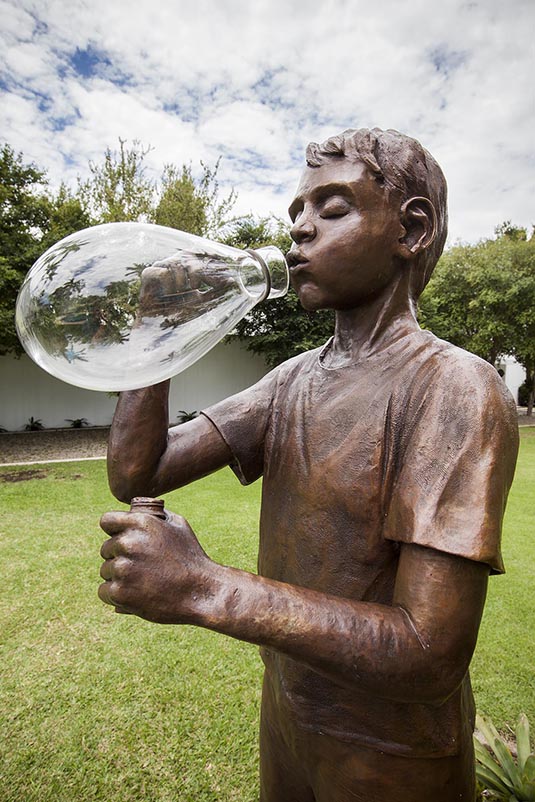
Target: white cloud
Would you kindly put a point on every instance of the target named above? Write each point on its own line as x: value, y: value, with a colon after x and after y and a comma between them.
x: 254, y: 82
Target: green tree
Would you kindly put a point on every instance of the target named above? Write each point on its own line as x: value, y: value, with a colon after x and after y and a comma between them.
x: 193, y: 205
x: 24, y: 215
x: 31, y: 219
x: 66, y: 214
x: 523, y: 344
x: 24, y: 212
x: 510, y: 231
x: 119, y: 189
x: 482, y: 297
x: 279, y: 329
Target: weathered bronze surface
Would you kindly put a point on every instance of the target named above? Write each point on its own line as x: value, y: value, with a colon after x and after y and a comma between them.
x: 386, y: 459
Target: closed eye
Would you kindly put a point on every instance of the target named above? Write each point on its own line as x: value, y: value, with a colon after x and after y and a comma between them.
x: 335, y: 207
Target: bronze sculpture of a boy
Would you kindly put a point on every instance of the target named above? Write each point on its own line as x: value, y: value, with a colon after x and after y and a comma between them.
x: 386, y: 457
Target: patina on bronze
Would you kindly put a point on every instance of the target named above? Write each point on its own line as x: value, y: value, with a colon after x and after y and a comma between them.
x: 386, y: 459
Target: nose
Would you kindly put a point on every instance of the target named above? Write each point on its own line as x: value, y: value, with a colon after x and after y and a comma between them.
x: 303, y: 230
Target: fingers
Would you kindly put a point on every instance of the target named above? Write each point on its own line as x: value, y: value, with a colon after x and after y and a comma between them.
x: 115, y: 546
x: 124, y: 528
x: 113, y: 591
x: 106, y: 594
x: 114, y: 568
x: 106, y: 569
x: 114, y: 522
x: 121, y: 544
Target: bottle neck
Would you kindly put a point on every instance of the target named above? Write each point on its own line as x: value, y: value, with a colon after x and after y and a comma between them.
x: 151, y: 506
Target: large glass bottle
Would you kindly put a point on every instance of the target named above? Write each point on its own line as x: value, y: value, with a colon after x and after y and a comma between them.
x: 125, y: 305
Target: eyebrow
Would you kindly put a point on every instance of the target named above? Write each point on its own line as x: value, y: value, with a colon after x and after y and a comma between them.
x: 320, y: 192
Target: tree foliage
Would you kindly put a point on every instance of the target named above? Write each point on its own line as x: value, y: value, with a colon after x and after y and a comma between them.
x: 192, y: 205
x: 23, y: 209
x: 482, y: 297
x: 118, y: 189
x: 31, y: 219
x: 66, y: 215
x: 278, y: 329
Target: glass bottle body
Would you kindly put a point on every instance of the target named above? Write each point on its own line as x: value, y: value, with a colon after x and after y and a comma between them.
x: 125, y: 305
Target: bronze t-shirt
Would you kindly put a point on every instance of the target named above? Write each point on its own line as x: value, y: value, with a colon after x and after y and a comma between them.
x: 415, y: 444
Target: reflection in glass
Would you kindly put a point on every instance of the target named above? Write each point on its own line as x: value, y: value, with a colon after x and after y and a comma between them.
x: 125, y: 305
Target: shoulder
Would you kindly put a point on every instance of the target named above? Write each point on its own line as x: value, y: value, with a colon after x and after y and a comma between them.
x: 448, y: 392
x: 297, y: 366
x: 457, y: 372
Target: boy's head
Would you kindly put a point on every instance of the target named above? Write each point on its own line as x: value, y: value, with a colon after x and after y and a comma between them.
x: 406, y: 170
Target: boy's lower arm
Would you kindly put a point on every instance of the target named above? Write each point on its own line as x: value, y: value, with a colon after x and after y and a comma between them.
x: 378, y: 648
x: 417, y: 649
x: 138, y: 438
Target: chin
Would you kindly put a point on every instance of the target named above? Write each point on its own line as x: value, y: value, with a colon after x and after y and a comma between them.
x: 310, y: 305
x: 309, y: 300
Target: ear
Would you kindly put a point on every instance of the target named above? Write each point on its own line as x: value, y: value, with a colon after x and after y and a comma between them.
x: 419, y: 221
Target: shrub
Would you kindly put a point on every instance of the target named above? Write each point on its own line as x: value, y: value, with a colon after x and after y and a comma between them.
x: 496, y: 770
x: 184, y: 417
x: 78, y: 423
x: 34, y: 425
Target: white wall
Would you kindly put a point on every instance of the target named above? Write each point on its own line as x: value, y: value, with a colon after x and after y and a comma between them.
x: 26, y: 390
x: 515, y: 375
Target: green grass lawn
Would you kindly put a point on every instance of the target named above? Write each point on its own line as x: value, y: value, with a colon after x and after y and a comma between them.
x: 503, y: 668
x: 96, y: 706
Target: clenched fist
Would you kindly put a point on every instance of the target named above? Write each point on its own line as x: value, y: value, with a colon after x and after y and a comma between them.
x: 156, y: 569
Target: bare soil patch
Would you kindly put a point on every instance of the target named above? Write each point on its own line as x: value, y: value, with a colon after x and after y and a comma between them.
x: 22, y: 476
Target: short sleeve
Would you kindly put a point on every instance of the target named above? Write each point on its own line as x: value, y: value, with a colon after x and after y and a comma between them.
x: 243, y: 420
x: 453, y: 448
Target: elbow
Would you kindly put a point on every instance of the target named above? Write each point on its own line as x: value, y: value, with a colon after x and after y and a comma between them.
x: 446, y: 676
x: 126, y: 482
x: 121, y: 493
x: 121, y: 488
x: 434, y: 677
x: 435, y: 662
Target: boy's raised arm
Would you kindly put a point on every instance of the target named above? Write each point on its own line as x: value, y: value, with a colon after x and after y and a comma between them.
x: 146, y: 458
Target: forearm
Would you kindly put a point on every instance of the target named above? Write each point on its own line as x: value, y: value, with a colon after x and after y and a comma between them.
x: 138, y: 439
x: 374, y: 647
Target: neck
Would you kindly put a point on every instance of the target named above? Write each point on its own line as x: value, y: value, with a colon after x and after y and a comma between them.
x: 363, y: 331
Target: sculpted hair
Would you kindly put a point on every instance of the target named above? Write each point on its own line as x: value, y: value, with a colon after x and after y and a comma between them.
x: 402, y: 166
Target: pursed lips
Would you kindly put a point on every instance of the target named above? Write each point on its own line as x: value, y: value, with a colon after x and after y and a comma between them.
x: 296, y: 260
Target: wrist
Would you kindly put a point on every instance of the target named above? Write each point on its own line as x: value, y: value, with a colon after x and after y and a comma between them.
x: 219, y: 599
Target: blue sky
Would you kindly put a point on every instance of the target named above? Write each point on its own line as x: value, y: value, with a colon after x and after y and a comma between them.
x: 255, y: 81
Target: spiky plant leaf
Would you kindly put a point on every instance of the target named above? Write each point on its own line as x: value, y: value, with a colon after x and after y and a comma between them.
x: 491, y: 781
x: 523, y: 747
x: 489, y: 731
x: 504, y: 756
x: 526, y: 792
x: 528, y: 775
x: 485, y: 759
x: 508, y: 764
